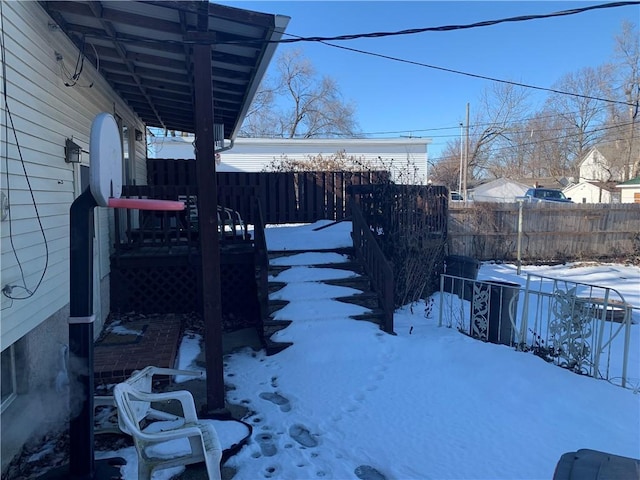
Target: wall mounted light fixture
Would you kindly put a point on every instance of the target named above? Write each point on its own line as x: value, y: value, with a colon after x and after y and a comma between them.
x: 72, y: 152
x: 138, y: 135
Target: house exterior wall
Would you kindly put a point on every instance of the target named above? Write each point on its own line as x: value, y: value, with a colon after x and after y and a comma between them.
x: 596, y: 167
x: 405, y: 158
x: 44, y: 112
x: 585, y: 192
x: 630, y: 194
x: 591, y: 168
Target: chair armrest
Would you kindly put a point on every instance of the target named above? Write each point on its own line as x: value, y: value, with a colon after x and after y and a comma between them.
x: 150, y: 371
x: 183, y: 396
x: 183, y: 431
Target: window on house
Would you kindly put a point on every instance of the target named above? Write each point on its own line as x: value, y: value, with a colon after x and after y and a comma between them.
x: 8, y: 376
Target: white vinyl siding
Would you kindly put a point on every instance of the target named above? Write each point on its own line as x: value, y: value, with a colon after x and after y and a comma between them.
x: 585, y: 192
x: 45, y: 112
x: 629, y: 193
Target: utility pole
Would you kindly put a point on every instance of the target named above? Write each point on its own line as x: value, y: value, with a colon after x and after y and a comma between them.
x: 631, y: 169
x: 461, y: 160
x: 466, y: 158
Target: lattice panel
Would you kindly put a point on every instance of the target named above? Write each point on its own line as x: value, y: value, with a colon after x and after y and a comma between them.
x: 164, y: 289
x: 175, y: 289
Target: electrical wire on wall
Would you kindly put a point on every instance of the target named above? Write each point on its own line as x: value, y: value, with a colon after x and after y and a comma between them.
x: 70, y: 78
x: 8, y: 289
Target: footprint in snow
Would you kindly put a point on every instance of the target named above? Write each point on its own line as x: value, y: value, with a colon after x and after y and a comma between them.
x: 278, y: 399
x: 367, y: 472
x: 301, y: 435
x: 267, y: 447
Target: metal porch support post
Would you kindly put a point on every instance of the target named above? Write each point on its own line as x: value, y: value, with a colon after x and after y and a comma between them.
x: 208, y: 225
x: 81, y: 461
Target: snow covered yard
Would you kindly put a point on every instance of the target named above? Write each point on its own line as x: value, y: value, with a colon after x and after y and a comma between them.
x: 347, y: 401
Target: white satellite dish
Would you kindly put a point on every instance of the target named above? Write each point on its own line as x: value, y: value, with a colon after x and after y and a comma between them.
x: 105, y: 169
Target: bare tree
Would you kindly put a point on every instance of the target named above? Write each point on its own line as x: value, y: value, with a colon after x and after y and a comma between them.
x: 547, y: 144
x: 491, y: 144
x: 624, y: 124
x: 297, y: 102
x: 447, y: 170
x: 582, y: 116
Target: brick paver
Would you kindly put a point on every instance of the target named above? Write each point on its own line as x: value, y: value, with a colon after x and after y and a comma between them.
x: 157, y: 346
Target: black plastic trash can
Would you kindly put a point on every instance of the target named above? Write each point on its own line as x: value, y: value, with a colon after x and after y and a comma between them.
x: 493, y: 306
x: 464, y: 267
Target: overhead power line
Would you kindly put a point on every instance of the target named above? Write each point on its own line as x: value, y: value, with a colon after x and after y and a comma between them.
x: 448, y: 28
x: 533, y: 143
x: 473, y: 126
x: 517, y: 121
x: 475, y: 75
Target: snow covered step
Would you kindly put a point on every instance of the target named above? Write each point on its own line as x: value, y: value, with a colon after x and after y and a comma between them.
x: 365, y: 299
x: 300, y: 291
x: 348, y: 251
x: 307, y: 258
x: 275, y: 305
x: 312, y: 274
x: 375, y: 316
x: 360, y: 282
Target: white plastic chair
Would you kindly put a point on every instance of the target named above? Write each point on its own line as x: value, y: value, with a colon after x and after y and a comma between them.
x: 134, y: 410
x: 141, y: 380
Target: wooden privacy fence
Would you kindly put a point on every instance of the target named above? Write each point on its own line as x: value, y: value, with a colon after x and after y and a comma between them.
x: 286, y: 197
x: 550, y: 231
x: 408, y: 210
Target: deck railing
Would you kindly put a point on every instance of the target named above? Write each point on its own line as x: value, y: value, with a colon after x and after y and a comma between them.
x: 261, y: 262
x: 375, y: 264
x: 139, y: 228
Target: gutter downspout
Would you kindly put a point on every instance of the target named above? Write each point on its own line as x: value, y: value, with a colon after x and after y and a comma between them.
x: 224, y: 149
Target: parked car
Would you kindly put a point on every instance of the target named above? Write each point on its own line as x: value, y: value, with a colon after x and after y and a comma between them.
x: 546, y: 195
x: 456, y: 197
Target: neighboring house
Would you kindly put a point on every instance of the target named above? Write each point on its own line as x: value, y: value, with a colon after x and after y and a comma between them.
x: 57, y: 80
x: 498, y: 190
x: 405, y: 158
x: 604, y: 164
x: 630, y: 191
x: 593, y: 192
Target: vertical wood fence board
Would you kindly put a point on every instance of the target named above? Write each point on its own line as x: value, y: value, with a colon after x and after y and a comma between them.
x: 331, y: 189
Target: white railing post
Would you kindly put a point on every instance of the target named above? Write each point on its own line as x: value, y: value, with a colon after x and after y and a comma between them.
x: 603, y: 319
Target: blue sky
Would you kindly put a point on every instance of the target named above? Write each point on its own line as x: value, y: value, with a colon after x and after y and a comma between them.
x: 405, y: 99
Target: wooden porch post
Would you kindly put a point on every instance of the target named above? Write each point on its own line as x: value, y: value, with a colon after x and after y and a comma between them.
x: 208, y: 227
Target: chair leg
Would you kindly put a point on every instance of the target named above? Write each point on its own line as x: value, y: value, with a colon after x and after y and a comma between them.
x: 212, y: 461
x: 144, y: 470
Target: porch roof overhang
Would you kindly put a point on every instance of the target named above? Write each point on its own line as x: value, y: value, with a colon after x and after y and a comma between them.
x: 144, y: 49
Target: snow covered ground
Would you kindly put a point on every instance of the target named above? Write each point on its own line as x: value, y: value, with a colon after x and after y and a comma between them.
x: 348, y: 401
